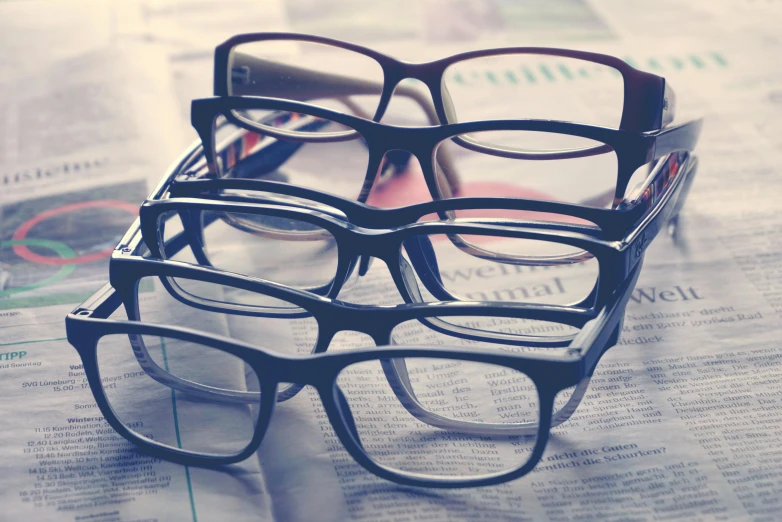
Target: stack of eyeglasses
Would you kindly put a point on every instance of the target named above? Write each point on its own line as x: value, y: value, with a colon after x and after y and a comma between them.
x: 514, y: 276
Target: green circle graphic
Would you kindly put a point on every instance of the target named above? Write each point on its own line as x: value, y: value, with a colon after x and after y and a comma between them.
x: 63, y: 250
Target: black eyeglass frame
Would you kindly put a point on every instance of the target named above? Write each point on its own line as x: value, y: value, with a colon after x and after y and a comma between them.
x: 648, y: 100
x: 633, y: 149
x: 610, y: 224
x: 551, y: 374
x: 615, y: 258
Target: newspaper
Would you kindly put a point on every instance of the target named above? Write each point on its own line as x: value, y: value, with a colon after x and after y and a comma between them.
x: 85, y: 134
x: 680, y: 421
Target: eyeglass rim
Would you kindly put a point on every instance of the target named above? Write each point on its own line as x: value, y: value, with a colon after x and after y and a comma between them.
x: 84, y: 330
x: 648, y: 102
x: 561, y: 369
x: 606, y: 224
x: 130, y: 269
x: 388, y: 244
x: 612, y: 256
x: 632, y: 149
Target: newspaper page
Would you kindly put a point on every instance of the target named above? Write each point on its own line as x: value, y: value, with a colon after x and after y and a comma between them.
x: 680, y: 418
x: 88, y: 126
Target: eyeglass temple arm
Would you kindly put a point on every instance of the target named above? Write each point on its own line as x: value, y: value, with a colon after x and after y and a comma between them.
x: 682, y: 137
x: 598, y: 340
x: 101, y: 304
x: 302, y: 84
x: 673, y: 221
x: 667, y: 214
x: 292, y: 83
x: 593, y: 342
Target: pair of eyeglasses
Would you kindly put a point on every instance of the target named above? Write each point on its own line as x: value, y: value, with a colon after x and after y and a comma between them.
x: 615, y: 223
x: 442, y: 426
x: 317, y: 69
x: 603, y: 223
x: 345, y: 155
x: 318, y: 249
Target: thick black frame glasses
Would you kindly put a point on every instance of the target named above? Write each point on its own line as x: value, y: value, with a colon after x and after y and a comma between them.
x: 632, y: 149
x: 648, y: 102
x: 274, y: 301
x: 406, y: 247
x: 612, y: 223
x: 550, y: 374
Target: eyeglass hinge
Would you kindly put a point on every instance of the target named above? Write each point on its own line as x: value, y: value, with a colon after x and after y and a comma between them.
x: 240, y: 75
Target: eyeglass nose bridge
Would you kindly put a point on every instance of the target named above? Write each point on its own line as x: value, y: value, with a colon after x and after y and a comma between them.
x: 321, y: 374
x: 430, y: 74
x: 370, y: 243
x: 373, y: 322
x: 418, y: 141
x: 382, y: 248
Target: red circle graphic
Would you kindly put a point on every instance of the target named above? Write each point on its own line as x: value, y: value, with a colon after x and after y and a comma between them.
x: 21, y: 232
